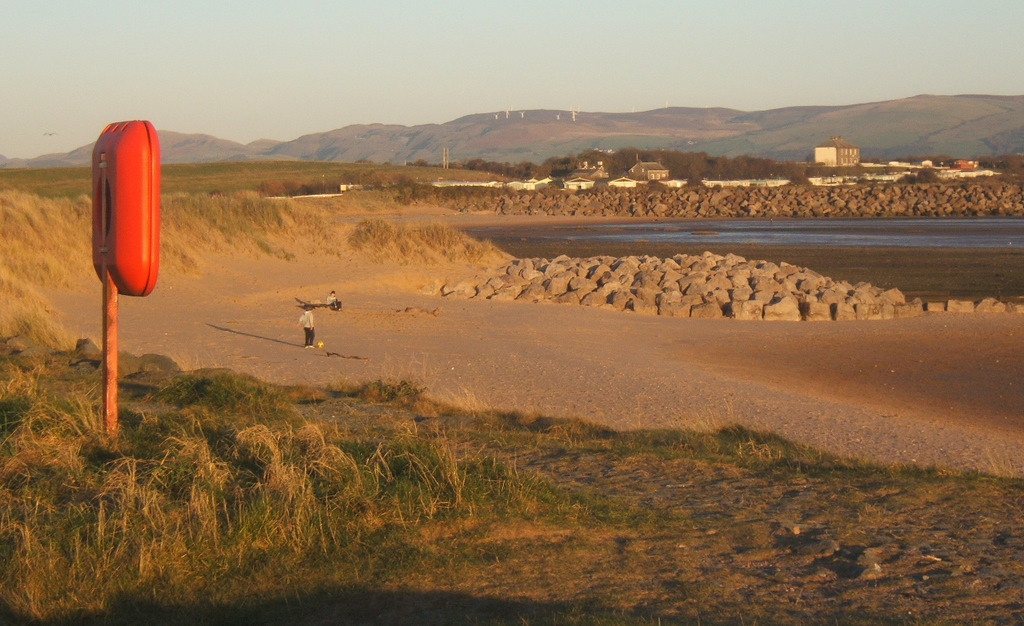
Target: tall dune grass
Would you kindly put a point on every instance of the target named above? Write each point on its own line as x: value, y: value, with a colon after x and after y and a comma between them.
x: 46, y: 243
x: 215, y: 500
x: 382, y: 240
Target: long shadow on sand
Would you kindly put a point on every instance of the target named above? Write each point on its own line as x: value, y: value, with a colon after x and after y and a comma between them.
x: 326, y: 353
x: 244, y: 334
x: 352, y: 605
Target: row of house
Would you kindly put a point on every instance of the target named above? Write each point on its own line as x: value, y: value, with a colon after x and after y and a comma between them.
x: 586, y: 176
x: 836, y: 152
x: 583, y: 177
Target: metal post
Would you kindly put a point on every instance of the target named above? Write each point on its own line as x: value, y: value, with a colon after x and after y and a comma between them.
x: 109, y: 354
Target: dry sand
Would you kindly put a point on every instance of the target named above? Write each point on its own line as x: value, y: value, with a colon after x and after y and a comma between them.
x: 942, y: 389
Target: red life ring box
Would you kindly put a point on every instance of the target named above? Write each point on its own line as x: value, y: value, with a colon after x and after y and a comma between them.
x: 126, y: 206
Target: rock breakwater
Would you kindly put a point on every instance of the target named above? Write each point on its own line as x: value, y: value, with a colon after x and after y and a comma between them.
x: 701, y: 286
x: 894, y: 200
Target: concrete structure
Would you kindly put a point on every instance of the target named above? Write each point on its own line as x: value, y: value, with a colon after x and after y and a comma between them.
x: 837, y: 152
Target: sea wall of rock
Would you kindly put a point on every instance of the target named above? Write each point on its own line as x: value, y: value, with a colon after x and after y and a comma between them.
x: 701, y: 286
x: 893, y: 200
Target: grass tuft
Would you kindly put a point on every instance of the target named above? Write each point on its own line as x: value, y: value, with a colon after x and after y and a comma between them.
x: 402, y: 392
x: 382, y: 240
x: 227, y: 394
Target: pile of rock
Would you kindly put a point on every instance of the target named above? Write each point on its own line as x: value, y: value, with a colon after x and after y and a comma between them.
x: 704, y: 286
x: 924, y: 200
x: 87, y: 357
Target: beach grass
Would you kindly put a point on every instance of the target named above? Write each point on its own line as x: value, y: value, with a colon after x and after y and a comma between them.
x: 45, y: 245
x: 382, y: 240
x: 229, y: 499
x: 48, y: 245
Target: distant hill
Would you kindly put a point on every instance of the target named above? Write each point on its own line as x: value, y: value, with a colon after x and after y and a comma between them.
x: 960, y: 126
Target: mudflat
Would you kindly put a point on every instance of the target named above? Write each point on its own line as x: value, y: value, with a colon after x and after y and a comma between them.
x: 942, y: 389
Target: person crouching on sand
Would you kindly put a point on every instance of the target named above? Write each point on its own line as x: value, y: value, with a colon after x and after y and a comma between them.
x: 333, y: 302
x: 306, y: 321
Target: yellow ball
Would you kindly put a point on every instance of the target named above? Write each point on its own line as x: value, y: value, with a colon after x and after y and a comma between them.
x: 319, y: 344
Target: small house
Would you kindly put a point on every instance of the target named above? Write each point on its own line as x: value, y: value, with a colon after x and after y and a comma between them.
x: 624, y: 182
x: 593, y: 172
x: 530, y: 184
x: 578, y: 183
x: 648, y: 170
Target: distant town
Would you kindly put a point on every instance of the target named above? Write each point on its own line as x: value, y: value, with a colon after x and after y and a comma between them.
x: 836, y: 153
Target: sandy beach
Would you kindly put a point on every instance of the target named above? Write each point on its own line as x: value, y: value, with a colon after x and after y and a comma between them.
x: 942, y: 389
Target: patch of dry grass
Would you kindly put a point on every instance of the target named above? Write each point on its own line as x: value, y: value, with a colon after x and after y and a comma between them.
x: 47, y: 244
x: 382, y: 240
x: 229, y: 490
x: 247, y: 500
x: 244, y: 499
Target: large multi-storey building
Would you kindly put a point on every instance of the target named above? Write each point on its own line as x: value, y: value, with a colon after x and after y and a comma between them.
x: 837, y: 152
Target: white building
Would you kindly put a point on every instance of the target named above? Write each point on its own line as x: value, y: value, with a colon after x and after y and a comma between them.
x: 748, y: 182
x: 837, y: 152
x: 466, y: 183
x: 624, y: 182
x: 530, y: 184
x: 578, y: 183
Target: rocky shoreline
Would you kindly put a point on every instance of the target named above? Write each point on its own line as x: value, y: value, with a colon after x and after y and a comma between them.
x: 701, y: 286
x: 656, y: 201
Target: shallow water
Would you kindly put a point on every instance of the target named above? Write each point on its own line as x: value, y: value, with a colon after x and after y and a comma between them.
x: 915, y: 232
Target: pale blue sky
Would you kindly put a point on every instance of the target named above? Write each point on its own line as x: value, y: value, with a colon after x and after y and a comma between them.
x: 261, y: 69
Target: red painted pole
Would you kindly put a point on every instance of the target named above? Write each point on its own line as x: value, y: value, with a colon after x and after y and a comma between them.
x: 109, y: 354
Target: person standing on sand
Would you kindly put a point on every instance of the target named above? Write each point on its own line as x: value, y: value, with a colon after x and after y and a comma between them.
x: 306, y: 321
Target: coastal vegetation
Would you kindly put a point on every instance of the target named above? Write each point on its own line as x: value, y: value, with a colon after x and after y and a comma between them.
x: 229, y: 499
x: 382, y: 240
x: 47, y: 244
